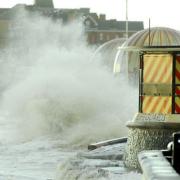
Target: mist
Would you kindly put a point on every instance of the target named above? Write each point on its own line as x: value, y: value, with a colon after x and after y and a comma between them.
x: 50, y: 85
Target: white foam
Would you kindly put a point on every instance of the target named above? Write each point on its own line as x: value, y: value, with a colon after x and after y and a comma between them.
x: 51, y: 85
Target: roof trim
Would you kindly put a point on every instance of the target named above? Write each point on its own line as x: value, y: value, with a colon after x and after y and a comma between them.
x: 92, y: 19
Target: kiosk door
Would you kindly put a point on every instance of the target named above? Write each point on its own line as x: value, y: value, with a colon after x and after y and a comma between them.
x: 156, y: 83
x: 177, y: 85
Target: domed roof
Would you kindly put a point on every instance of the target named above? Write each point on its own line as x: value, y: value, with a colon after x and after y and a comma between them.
x: 157, y: 36
x: 108, y: 51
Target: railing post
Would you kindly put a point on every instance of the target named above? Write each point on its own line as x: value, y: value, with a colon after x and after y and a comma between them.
x: 176, y: 152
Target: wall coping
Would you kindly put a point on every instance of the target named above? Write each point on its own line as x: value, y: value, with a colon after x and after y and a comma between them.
x: 155, y: 121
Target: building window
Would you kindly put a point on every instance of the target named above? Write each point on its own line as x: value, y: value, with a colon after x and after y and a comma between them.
x: 93, y: 39
x: 101, y: 37
x: 87, y: 23
x: 107, y: 37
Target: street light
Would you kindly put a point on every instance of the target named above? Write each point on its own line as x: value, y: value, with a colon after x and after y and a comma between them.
x: 126, y: 19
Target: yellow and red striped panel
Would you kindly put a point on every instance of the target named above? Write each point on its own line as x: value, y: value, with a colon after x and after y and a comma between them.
x: 177, y: 105
x: 177, y: 69
x: 177, y: 90
x: 157, y: 68
x: 177, y: 79
x: 157, y: 104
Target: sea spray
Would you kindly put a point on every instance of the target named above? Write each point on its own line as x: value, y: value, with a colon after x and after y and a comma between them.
x: 56, y: 94
x: 54, y: 87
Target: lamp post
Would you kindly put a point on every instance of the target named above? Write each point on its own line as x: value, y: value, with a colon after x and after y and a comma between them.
x: 126, y: 19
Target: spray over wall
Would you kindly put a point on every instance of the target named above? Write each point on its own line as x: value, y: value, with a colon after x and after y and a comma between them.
x: 51, y: 85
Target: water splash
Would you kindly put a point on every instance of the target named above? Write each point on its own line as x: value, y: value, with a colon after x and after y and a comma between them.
x: 50, y: 85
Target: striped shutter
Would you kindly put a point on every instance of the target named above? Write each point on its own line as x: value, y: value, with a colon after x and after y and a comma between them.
x: 177, y: 81
x: 157, y: 104
x: 158, y: 68
x: 157, y: 71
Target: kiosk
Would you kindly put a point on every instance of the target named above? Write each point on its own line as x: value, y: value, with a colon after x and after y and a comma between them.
x: 159, y: 102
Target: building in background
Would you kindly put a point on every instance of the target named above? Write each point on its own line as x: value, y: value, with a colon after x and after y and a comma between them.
x: 97, y: 28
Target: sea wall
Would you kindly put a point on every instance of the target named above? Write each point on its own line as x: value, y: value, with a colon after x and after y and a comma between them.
x: 148, y: 132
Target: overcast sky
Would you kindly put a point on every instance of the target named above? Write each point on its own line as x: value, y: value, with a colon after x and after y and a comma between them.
x: 161, y: 12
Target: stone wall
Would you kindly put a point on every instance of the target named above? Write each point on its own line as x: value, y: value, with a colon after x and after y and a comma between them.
x: 147, y: 134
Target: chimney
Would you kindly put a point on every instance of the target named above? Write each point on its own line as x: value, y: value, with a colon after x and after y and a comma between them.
x: 85, y: 10
x: 44, y: 3
x: 102, y: 17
